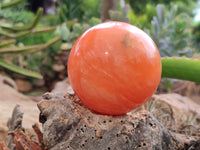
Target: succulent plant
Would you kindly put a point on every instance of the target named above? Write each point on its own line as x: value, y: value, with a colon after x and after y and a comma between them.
x: 9, y: 33
x: 171, y: 32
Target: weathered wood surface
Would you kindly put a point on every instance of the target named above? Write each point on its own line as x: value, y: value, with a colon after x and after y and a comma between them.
x: 15, y: 122
x: 68, y: 124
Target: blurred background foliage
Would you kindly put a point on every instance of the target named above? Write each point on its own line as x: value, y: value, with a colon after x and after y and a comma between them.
x: 78, y: 9
x: 170, y: 24
x: 171, y: 32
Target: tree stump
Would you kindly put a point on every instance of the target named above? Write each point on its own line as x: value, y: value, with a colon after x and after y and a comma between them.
x: 68, y: 124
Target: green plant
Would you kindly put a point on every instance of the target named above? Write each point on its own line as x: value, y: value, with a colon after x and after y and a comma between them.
x: 79, y: 10
x: 91, y: 8
x: 142, y: 11
x: 121, y: 15
x: 142, y: 20
x: 72, y: 32
x: 139, y: 6
x: 127, y: 14
x: 22, y: 16
x: 181, y: 68
x: 50, y: 20
x: 171, y: 32
x: 17, y: 13
x: 10, y: 34
x: 10, y: 3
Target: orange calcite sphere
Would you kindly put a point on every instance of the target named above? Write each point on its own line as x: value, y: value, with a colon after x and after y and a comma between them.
x: 114, y: 68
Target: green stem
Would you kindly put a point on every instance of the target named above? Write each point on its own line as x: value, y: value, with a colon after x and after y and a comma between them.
x: 33, y: 31
x: 7, y: 43
x: 47, y: 44
x: 24, y: 33
x: 30, y: 49
x: 32, y: 24
x: 19, y: 49
x: 11, y: 3
x: 19, y: 70
x: 5, y: 25
x: 181, y: 68
x: 14, y: 35
x: 24, y: 27
x: 51, y: 29
x: 44, y: 30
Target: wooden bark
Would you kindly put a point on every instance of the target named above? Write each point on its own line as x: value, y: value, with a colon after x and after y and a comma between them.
x: 68, y: 124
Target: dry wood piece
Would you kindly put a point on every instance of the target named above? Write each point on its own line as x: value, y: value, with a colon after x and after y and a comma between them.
x: 68, y: 124
x: 17, y: 138
x: 14, y: 123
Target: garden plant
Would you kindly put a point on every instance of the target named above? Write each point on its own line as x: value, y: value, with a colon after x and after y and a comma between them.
x: 10, y: 33
x: 114, y: 68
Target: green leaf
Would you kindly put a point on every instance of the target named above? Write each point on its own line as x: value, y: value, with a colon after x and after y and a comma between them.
x: 160, y: 13
x: 181, y: 44
x: 156, y: 27
x: 19, y: 70
x: 94, y: 21
x: 77, y: 29
x: 63, y: 32
x: 183, y: 17
x: 30, y: 49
